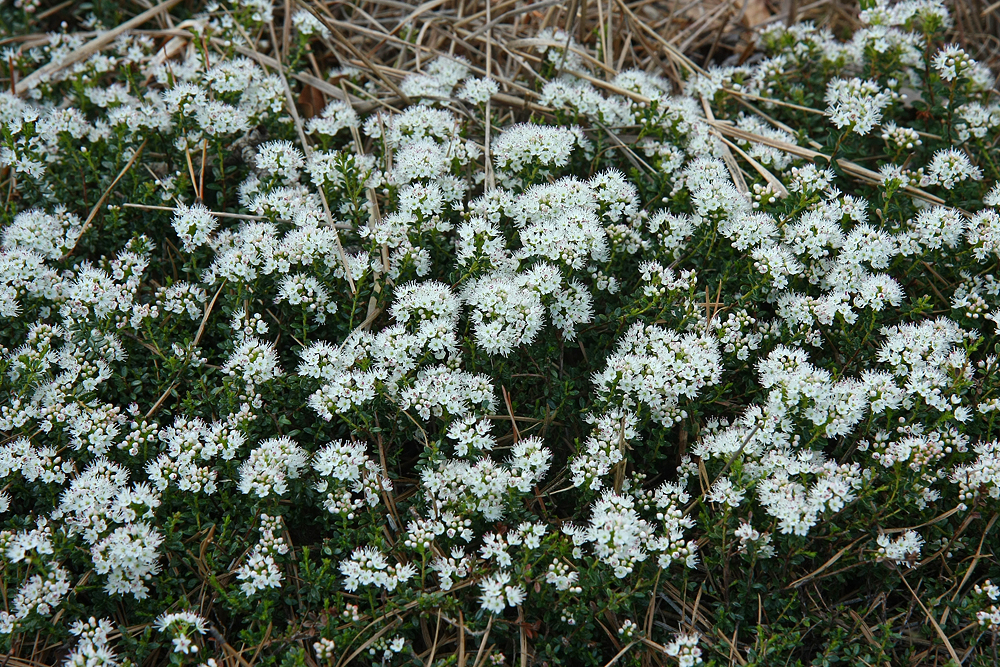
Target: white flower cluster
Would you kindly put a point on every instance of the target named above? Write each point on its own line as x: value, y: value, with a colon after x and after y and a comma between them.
x: 621, y: 538
x: 485, y: 487
x: 951, y: 62
x: 604, y: 448
x: 525, y: 147
x: 450, y: 569
x: 903, y: 550
x: 260, y: 570
x: 990, y: 618
x: 439, y: 78
x: 307, y: 25
x: 128, y: 556
x: 270, y: 467
x: 856, y: 104
x: 349, y: 480
x: 685, y: 648
x: 981, y: 475
x: 368, y: 566
x: 506, y: 315
x: 498, y: 593
x: 655, y: 368
x: 180, y: 626
x: 948, y: 167
x: 194, y: 225
x: 51, y: 235
x: 335, y: 117
x: 92, y: 648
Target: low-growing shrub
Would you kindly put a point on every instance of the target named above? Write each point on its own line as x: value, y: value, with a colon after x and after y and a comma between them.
x: 568, y: 367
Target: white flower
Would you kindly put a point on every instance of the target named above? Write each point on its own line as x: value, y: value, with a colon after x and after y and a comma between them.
x: 856, y: 104
x: 438, y: 390
x: 777, y: 263
x: 441, y: 75
x: 281, y: 159
x: 128, y: 556
x: 41, y: 594
x: 478, y: 91
x: 254, y: 362
x: 350, y: 479
x: 976, y: 120
x: 933, y: 228
x: 571, y: 236
x: 724, y: 492
x: 952, y: 62
x: 904, y: 550
x: 684, y: 647
x: 471, y: 433
x: 92, y: 648
x: 259, y: 572
x: 270, y: 466
x: 336, y: 115
x: 307, y: 24
x: 367, y: 566
x: 180, y: 625
x: 194, y: 225
x: 618, y: 534
x: 948, y: 167
x: 421, y: 159
x: 902, y: 137
x: 308, y: 292
x: 505, y: 315
x: 560, y: 576
x: 481, y: 241
x: 877, y: 291
x: 523, y: 146
x: 497, y: 594
x: 656, y: 367
x: 51, y: 235
x: 427, y: 300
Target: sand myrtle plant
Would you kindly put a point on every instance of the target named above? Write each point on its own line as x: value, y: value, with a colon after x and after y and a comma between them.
x: 367, y: 334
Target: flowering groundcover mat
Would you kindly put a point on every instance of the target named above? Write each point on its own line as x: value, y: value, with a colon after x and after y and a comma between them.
x: 494, y: 352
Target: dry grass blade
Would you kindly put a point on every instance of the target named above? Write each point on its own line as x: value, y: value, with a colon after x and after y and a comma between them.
x: 371, y: 640
x: 934, y: 624
x: 849, y: 167
x: 461, y: 639
x: 208, y: 311
x: 535, y: 42
x: 374, y: 69
x: 482, y: 644
x: 771, y: 179
x: 669, y: 49
x: 727, y: 155
x: 197, y: 339
x: 487, y: 158
x: 625, y: 649
x: 522, y: 631
x: 975, y: 561
x: 419, y: 11
x: 940, y: 517
x: 825, y: 566
x: 437, y: 630
x: 104, y: 197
